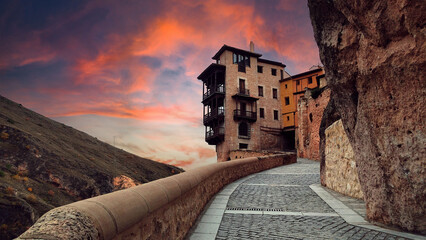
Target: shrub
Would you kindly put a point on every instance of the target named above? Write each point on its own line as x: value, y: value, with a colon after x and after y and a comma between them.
x: 3, y: 227
x: 9, y: 166
x: 10, y: 190
x: 29, y: 189
x: 1, y: 173
x: 31, y: 198
x: 11, y: 121
x: 316, y: 92
x: 51, y: 193
x: 4, y: 135
x: 16, y: 177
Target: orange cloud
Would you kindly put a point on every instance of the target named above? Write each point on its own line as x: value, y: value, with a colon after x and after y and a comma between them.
x: 202, y: 152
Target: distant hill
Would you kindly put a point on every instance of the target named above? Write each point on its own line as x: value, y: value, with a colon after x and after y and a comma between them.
x: 45, y: 164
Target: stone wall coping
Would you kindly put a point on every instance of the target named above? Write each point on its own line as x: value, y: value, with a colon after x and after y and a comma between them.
x: 115, y: 212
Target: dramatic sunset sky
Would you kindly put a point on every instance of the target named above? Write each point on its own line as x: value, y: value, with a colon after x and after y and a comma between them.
x: 127, y: 70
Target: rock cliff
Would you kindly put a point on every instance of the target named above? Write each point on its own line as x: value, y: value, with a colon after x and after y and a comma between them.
x: 46, y: 164
x: 374, y: 57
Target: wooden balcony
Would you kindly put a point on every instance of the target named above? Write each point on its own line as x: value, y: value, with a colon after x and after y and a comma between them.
x: 210, y: 92
x: 213, y: 115
x: 245, y: 115
x: 215, y: 135
x: 243, y: 93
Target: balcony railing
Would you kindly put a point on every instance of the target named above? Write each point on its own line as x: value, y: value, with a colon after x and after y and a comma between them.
x: 213, y: 114
x: 215, y: 135
x: 209, y: 92
x: 243, y: 91
x: 247, y: 115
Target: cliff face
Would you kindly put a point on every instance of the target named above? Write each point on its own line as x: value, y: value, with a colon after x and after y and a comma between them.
x: 374, y: 57
x: 46, y: 164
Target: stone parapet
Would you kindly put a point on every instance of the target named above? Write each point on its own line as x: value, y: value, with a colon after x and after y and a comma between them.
x: 162, y: 209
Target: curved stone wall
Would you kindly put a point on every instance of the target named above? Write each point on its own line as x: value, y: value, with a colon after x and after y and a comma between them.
x: 162, y: 209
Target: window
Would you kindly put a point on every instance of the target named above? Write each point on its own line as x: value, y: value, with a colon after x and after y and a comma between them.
x: 275, y: 93
x: 243, y: 130
x: 287, y: 101
x: 309, y: 80
x: 310, y: 117
x: 262, y: 113
x: 241, y: 60
x: 275, y: 114
x: 260, y: 88
x: 260, y: 69
x: 281, y: 73
x: 297, y: 82
x: 288, y: 118
x: 274, y: 72
x: 243, y: 146
x: 286, y: 86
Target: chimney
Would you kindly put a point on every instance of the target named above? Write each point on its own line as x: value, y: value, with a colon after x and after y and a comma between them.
x: 251, y: 46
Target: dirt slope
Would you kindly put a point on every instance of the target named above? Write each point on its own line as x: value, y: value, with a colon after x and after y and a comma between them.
x: 45, y: 164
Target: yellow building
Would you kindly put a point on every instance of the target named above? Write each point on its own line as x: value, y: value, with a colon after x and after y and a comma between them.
x: 292, y: 88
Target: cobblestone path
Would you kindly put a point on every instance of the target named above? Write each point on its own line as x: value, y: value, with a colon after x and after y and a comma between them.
x: 281, y: 203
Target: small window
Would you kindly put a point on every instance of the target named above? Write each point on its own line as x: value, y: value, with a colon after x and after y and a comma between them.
x: 243, y: 129
x: 310, y: 117
x: 260, y: 69
x: 262, y: 113
x: 309, y: 80
x: 243, y: 146
x: 274, y: 72
x: 275, y: 114
x: 275, y: 93
x: 297, y: 82
x: 287, y: 101
x: 260, y: 88
x: 285, y: 86
x: 235, y: 58
x: 281, y: 73
x: 288, y: 118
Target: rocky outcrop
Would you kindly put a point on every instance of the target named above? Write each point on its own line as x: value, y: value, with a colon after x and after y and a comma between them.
x: 374, y: 56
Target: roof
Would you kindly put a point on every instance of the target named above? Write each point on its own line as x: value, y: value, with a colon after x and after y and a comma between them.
x: 210, y: 69
x: 271, y: 62
x: 235, y: 50
x: 303, y: 74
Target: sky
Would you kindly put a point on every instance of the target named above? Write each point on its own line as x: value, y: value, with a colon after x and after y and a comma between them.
x: 126, y: 71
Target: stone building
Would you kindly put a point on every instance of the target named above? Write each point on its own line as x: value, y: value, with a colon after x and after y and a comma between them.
x: 241, y: 98
x: 292, y: 89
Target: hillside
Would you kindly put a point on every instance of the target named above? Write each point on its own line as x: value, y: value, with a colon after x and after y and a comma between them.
x: 45, y: 164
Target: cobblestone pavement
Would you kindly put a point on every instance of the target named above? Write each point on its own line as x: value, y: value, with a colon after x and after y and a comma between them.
x: 285, y: 203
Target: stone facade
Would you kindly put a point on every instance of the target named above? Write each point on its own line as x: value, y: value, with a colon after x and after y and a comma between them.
x: 310, y: 111
x: 340, y: 167
x: 253, y: 101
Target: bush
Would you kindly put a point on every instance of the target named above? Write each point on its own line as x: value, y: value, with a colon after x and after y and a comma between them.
x: 10, y: 190
x: 11, y: 121
x: 316, y: 92
x: 31, y: 198
x: 1, y: 173
x: 4, y: 135
x: 51, y: 193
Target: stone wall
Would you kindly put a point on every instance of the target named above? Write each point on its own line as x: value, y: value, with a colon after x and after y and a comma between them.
x: 374, y: 54
x: 310, y: 112
x: 162, y: 209
x: 237, y: 154
x: 340, y: 167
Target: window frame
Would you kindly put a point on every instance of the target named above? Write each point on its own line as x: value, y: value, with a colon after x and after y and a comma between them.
x: 260, y: 93
x: 275, y: 93
x: 259, y: 68
x: 287, y: 101
x: 262, y: 113
x: 274, y: 71
x: 276, y: 113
